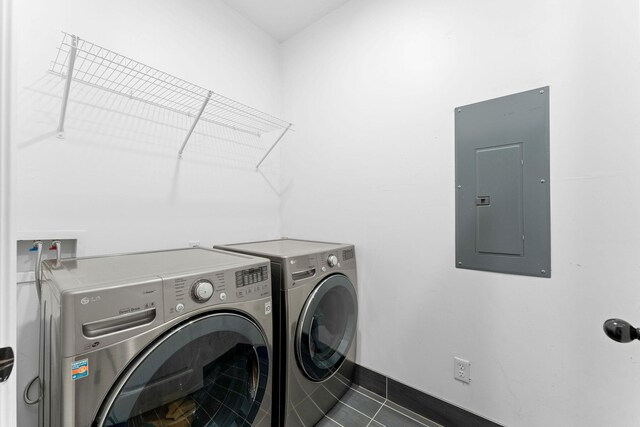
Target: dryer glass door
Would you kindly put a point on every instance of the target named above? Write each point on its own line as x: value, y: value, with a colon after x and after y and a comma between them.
x: 327, y: 327
x: 211, y: 371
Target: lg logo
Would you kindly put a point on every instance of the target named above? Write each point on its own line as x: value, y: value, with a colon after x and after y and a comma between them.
x: 87, y: 300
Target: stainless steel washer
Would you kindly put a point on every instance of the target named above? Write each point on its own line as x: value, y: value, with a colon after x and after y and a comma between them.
x: 172, y: 338
x: 316, y: 326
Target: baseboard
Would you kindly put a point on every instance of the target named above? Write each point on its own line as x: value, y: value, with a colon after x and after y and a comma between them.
x: 421, y: 403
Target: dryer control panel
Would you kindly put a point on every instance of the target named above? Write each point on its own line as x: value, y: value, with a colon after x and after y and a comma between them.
x: 309, y: 266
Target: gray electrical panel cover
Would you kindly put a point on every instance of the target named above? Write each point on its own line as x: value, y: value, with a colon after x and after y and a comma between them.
x: 502, y: 185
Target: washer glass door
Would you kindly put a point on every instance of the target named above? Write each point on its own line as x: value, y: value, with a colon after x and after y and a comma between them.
x: 327, y: 327
x: 211, y: 371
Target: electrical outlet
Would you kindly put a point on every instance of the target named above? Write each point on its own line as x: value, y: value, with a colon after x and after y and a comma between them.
x: 462, y: 370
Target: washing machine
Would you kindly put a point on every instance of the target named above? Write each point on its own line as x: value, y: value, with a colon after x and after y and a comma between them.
x: 172, y: 338
x: 315, y: 324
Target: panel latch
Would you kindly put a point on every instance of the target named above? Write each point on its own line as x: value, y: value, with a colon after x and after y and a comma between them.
x: 483, y: 201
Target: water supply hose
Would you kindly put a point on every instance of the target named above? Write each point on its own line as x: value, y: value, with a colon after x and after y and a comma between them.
x: 38, y: 247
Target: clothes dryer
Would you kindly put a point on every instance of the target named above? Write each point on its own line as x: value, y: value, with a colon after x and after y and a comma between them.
x: 171, y: 338
x: 316, y: 324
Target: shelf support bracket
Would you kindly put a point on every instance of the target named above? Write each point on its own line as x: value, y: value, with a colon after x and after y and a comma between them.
x: 195, y: 122
x: 67, y: 86
x: 273, y: 146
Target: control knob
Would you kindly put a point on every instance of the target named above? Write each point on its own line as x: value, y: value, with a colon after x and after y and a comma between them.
x: 332, y: 260
x: 202, y: 290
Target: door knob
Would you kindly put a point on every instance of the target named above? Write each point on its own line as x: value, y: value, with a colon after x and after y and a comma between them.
x: 620, y: 330
x: 6, y: 363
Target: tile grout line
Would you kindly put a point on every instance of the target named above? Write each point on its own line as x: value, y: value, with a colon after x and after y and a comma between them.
x: 377, y: 412
x: 407, y: 416
x: 386, y: 398
x: 324, y: 414
x: 356, y: 410
x: 298, y: 414
x: 386, y: 388
x: 340, y: 401
x: 366, y: 395
x: 360, y: 412
x: 327, y: 416
x: 384, y: 404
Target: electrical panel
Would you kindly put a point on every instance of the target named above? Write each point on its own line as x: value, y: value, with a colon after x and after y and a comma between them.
x: 502, y: 184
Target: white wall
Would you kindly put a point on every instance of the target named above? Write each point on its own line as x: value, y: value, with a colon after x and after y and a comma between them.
x: 115, y: 181
x: 371, y: 89
x: 116, y: 175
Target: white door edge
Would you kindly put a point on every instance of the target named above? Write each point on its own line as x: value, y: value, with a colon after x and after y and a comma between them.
x: 8, y: 391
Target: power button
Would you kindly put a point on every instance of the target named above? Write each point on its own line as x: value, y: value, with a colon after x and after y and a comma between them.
x: 179, y: 307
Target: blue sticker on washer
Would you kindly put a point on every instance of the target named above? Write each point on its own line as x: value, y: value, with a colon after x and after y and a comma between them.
x: 80, y: 369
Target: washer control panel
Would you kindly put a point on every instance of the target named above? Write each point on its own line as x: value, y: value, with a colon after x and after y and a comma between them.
x: 202, y: 290
x: 186, y: 293
x: 252, y: 281
x: 250, y: 276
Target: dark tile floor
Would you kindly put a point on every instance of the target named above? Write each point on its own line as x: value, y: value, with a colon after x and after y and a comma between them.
x: 360, y: 407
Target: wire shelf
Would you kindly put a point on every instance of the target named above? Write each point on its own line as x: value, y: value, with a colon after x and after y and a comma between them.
x: 81, y: 61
